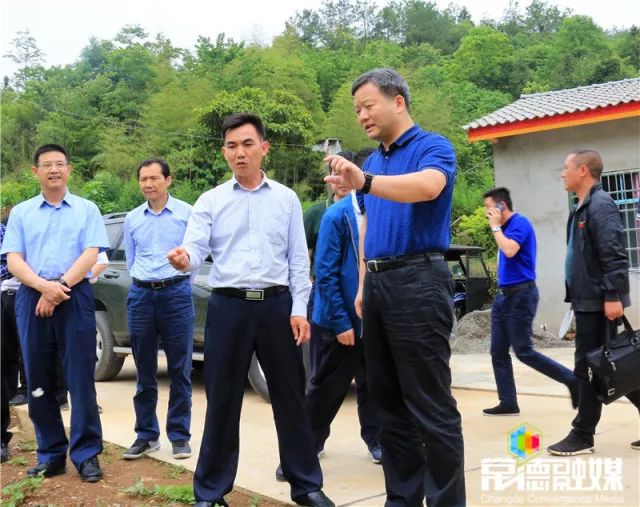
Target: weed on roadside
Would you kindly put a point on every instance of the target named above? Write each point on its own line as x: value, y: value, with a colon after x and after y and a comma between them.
x: 15, y: 493
x: 181, y: 494
x: 255, y: 500
x: 173, y: 471
x: 18, y: 460
x: 27, y: 445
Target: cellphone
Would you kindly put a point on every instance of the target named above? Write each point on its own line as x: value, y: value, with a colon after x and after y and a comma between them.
x: 500, y: 206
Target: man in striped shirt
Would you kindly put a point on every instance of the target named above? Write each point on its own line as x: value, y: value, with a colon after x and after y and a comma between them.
x: 252, y: 228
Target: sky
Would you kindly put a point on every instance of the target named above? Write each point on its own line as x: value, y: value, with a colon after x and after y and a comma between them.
x: 62, y: 28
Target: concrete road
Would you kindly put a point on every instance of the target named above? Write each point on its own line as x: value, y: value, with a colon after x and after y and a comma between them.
x: 351, y: 479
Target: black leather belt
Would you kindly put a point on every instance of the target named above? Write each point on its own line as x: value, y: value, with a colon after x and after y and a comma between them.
x: 251, y: 294
x: 386, y: 263
x: 10, y: 292
x: 512, y: 289
x: 159, y: 284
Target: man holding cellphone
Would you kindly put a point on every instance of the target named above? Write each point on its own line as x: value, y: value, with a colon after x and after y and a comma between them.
x: 515, y: 304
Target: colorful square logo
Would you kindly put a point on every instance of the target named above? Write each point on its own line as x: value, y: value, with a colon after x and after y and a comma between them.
x: 525, y: 442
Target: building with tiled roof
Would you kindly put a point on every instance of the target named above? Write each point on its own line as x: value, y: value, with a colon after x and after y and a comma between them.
x: 559, y: 109
x: 531, y: 138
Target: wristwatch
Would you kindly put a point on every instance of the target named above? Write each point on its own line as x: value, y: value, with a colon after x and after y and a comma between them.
x: 496, y: 228
x: 62, y: 281
x: 368, y: 178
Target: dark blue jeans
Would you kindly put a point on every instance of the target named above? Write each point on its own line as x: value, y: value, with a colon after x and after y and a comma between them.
x: 68, y: 336
x: 166, y: 314
x: 511, y: 326
x: 407, y: 321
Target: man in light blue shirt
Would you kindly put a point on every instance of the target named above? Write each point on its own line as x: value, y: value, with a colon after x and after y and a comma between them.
x: 159, y: 306
x: 252, y: 228
x: 51, y: 242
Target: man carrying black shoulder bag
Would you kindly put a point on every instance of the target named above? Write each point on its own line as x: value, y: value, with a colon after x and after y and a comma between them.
x: 614, y: 368
x: 597, y: 282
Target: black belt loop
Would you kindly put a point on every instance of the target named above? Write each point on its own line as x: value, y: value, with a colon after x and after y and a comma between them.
x: 159, y: 284
x: 251, y: 294
x: 512, y: 289
x: 386, y: 263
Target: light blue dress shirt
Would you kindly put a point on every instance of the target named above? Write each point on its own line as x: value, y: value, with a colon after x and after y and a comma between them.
x: 51, y: 238
x: 149, y: 235
x: 255, y: 238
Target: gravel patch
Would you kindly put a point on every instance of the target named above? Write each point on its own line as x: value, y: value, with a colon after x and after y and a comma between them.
x: 473, y: 335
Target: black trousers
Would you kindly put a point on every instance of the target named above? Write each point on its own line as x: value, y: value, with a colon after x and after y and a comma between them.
x: 407, y: 319
x: 235, y: 328
x: 10, y: 350
x: 338, y: 365
x: 590, y: 334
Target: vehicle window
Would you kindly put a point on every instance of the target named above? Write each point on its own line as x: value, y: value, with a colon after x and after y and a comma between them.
x: 476, y: 268
x: 114, y: 231
x: 119, y: 254
x: 456, y: 270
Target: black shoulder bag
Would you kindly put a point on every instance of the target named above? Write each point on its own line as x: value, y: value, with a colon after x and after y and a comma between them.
x: 614, y: 368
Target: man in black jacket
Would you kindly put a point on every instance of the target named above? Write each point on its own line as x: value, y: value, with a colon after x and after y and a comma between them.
x: 597, y: 282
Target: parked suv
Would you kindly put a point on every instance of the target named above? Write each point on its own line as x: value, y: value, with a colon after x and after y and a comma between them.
x: 110, y: 293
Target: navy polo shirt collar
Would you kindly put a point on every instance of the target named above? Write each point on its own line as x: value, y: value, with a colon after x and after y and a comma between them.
x: 404, y: 138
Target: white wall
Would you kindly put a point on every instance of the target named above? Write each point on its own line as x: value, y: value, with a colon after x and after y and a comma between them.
x: 530, y: 165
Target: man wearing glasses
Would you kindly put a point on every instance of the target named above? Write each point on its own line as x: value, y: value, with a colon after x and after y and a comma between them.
x: 51, y: 242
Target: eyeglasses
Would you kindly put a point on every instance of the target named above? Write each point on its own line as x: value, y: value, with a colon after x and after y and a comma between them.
x: 50, y: 165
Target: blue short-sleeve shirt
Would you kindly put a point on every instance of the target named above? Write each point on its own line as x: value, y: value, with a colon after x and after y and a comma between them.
x: 51, y: 238
x: 395, y: 228
x: 521, y: 267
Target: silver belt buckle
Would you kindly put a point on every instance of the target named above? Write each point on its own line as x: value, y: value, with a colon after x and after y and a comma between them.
x: 372, y: 265
x: 254, y: 295
x: 157, y: 285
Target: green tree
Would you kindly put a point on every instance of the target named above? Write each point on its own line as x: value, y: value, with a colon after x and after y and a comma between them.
x: 485, y: 57
x: 289, y: 128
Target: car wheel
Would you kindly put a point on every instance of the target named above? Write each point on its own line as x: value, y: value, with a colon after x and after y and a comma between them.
x: 258, y: 381
x: 108, y: 363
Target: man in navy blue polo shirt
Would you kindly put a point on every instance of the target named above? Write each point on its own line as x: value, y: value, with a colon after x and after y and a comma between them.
x: 515, y: 304
x: 405, y: 294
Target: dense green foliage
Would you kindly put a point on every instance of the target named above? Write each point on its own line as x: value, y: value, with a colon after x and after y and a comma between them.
x: 135, y: 96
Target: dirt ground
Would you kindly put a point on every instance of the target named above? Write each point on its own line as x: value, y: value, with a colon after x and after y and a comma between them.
x: 125, y: 483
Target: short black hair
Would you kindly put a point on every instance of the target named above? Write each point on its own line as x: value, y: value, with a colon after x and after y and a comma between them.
x: 389, y: 81
x: 237, y: 120
x: 46, y: 148
x: 590, y: 158
x: 349, y: 155
x: 362, y: 156
x: 166, y: 171
x: 500, y: 194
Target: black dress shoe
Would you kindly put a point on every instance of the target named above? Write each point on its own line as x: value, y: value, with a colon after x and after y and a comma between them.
x: 50, y: 469
x: 314, y: 499
x: 204, y: 503
x: 90, y: 470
